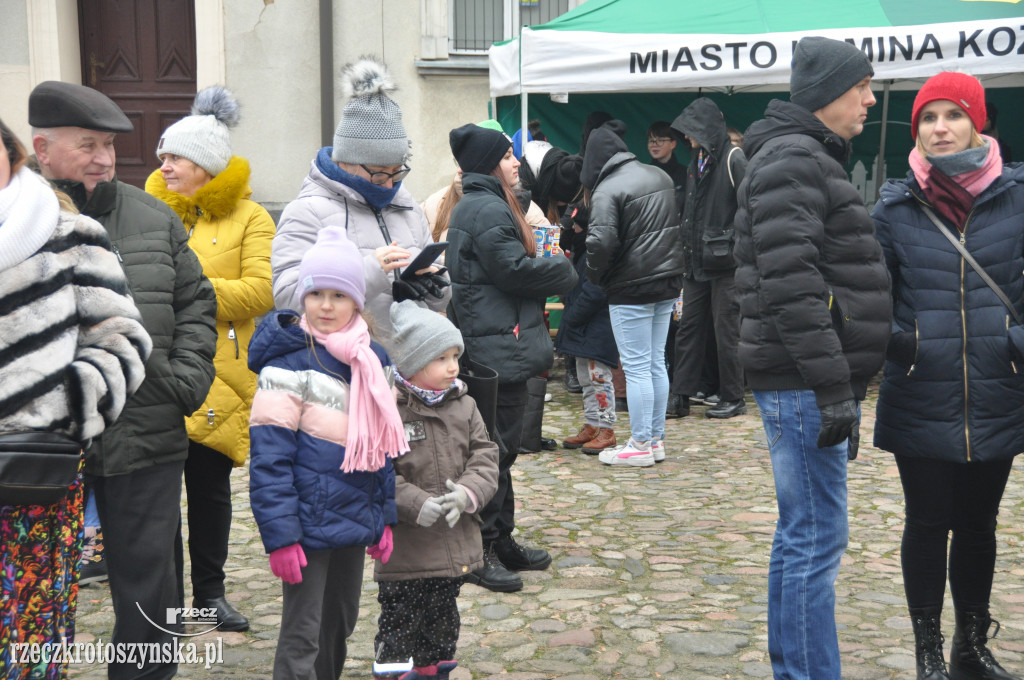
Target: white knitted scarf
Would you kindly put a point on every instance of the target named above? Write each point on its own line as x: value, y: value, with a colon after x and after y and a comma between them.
x: 29, y: 212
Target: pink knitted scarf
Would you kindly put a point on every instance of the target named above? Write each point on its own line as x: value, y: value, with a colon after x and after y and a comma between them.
x: 975, y: 181
x: 375, y: 430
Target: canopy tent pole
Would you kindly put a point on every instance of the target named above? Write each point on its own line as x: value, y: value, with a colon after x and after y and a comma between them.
x: 523, y: 103
x: 880, y: 161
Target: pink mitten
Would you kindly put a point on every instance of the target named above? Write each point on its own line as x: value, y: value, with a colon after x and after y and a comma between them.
x: 287, y: 563
x: 382, y: 551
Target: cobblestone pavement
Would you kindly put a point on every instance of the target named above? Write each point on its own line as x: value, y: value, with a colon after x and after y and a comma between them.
x: 657, y: 572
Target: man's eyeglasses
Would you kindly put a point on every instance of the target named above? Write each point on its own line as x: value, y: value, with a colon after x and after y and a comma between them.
x: 659, y: 141
x: 379, y: 177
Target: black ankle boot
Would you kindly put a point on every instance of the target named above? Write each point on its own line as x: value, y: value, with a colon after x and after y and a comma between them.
x: 572, y: 380
x: 494, y: 576
x: 970, y: 657
x: 931, y: 664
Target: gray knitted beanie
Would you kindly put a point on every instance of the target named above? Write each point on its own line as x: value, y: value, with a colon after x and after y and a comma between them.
x: 420, y: 336
x: 823, y: 70
x: 203, y: 137
x: 370, y: 130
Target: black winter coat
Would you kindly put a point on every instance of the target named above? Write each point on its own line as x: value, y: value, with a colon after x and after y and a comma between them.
x: 814, y: 291
x: 179, y: 311
x: 586, y: 327
x: 498, y: 291
x: 710, y: 203
x: 955, y: 390
x: 633, y: 248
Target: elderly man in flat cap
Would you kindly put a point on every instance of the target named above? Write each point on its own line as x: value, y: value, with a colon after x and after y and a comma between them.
x: 135, y: 468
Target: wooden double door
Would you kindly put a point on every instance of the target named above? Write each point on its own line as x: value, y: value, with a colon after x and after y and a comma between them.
x: 141, y: 54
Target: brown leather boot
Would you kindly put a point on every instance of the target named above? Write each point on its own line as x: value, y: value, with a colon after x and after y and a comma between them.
x: 585, y: 435
x: 605, y: 438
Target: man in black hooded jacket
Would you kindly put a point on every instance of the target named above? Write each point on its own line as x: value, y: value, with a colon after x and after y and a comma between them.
x: 815, y: 320
x: 709, y: 290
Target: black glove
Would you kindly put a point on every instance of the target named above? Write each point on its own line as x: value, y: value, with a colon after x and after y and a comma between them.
x: 420, y: 286
x: 837, y: 422
x: 851, y: 454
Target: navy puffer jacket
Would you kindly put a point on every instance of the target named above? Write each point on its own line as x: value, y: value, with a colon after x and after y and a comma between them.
x: 954, y: 391
x: 297, y: 490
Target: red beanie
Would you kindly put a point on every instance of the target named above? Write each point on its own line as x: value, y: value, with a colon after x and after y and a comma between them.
x: 963, y: 90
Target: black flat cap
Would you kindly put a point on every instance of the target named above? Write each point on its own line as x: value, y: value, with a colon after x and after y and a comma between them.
x: 56, y: 104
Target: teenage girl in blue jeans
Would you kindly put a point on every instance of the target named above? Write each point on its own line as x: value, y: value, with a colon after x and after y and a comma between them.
x: 634, y: 253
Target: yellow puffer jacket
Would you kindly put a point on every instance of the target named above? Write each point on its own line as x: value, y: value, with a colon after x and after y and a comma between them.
x: 231, y: 236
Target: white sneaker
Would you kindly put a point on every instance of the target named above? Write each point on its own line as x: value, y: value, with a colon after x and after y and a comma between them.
x: 658, y: 450
x: 627, y: 454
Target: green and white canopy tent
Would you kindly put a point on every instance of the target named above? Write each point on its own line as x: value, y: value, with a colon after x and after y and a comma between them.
x: 644, y: 60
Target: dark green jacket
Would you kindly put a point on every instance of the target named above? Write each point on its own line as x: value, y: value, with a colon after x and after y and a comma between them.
x: 179, y: 310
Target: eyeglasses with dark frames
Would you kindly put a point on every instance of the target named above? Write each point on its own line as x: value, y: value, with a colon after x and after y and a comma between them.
x: 659, y: 141
x: 379, y: 177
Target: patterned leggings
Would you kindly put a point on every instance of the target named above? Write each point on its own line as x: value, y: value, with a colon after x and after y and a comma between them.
x: 418, y: 618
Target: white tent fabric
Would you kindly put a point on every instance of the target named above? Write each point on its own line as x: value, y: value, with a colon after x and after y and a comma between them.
x: 557, y: 61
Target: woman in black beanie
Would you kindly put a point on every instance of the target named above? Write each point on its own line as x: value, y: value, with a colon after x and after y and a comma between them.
x: 499, y: 286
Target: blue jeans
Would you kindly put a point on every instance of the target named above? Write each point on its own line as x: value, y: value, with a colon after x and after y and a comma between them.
x: 640, y: 332
x: 810, y: 538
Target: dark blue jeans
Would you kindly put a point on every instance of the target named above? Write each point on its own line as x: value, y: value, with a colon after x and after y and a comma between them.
x: 810, y: 538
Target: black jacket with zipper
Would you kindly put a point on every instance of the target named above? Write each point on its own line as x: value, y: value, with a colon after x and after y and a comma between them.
x: 710, y: 203
x: 814, y: 291
x: 498, y: 290
x: 953, y: 387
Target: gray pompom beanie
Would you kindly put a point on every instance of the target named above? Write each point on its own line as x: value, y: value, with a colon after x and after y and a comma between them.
x: 370, y: 130
x: 823, y: 70
x: 203, y: 137
x: 420, y: 336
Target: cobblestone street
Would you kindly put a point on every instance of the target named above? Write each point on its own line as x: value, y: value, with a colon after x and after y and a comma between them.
x: 658, y: 572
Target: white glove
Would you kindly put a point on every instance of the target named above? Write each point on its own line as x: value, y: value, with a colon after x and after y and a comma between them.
x: 455, y: 502
x: 430, y: 511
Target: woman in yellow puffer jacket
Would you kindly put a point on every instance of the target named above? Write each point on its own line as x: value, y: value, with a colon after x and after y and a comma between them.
x: 209, y: 190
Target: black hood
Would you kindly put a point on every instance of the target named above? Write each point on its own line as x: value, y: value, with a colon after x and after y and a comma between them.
x: 785, y: 118
x: 703, y: 122
x: 602, y: 145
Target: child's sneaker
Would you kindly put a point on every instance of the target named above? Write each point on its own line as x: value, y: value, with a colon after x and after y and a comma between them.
x: 628, y: 454
x: 658, y: 450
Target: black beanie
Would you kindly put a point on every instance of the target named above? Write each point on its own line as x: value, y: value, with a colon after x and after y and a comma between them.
x: 823, y: 70
x: 478, y: 149
x: 565, y: 178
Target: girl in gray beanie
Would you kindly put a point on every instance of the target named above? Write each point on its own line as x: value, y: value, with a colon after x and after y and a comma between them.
x: 450, y: 472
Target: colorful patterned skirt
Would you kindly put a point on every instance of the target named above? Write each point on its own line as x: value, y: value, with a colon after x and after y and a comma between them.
x: 40, y: 548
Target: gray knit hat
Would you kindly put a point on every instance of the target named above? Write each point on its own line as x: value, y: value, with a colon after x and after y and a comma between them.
x: 370, y: 130
x: 203, y: 137
x: 823, y: 70
x: 420, y: 336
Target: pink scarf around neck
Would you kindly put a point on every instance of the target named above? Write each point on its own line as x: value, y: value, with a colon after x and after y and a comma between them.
x: 974, y: 182
x: 375, y: 430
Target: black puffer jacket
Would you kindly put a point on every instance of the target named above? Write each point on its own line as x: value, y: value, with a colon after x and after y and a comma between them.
x: 633, y: 248
x: 803, y: 239
x: 179, y: 311
x: 710, y: 203
x: 955, y: 392
x: 498, y: 291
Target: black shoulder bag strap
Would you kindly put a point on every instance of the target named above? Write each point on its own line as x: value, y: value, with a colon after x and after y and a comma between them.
x: 971, y: 261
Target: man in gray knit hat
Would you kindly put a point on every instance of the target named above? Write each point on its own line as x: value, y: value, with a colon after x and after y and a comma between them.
x: 815, y: 320
x: 357, y: 185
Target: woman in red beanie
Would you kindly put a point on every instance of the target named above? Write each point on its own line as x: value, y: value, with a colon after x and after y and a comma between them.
x: 951, y: 405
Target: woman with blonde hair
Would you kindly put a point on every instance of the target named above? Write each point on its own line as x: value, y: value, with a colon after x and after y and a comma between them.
x: 951, y: 404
